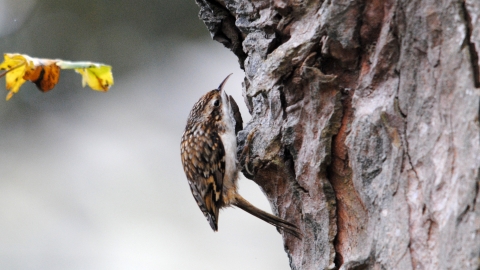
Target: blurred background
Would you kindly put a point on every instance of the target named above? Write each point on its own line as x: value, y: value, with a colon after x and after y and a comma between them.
x: 92, y: 180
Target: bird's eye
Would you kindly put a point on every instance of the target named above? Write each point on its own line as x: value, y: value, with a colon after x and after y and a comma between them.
x: 216, y: 103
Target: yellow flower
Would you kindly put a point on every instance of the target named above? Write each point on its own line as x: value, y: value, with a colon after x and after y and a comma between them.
x: 46, y: 72
x: 15, y: 66
x: 99, y: 78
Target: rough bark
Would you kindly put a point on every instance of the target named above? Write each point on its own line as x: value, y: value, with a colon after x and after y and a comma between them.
x: 365, y: 126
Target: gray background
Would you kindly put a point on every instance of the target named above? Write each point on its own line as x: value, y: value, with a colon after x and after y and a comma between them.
x: 92, y: 180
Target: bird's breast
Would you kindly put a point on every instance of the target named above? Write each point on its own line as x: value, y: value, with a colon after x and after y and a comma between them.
x: 229, y: 141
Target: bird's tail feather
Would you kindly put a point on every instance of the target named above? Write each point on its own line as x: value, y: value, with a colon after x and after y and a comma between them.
x: 281, y: 224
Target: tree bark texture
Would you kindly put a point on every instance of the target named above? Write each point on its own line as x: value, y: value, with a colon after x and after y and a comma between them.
x: 365, y: 126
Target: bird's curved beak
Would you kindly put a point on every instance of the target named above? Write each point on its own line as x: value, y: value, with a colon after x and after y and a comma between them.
x: 220, y: 87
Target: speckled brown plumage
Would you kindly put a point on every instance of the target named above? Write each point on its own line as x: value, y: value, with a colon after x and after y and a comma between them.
x: 208, y: 152
x: 203, y: 157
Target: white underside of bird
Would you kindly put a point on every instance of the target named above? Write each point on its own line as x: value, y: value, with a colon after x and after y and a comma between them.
x: 229, y: 141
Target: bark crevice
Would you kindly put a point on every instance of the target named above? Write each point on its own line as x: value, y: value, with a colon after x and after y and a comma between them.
x: 474, y: 60
x: 221, y: 25
x: 409, y: 158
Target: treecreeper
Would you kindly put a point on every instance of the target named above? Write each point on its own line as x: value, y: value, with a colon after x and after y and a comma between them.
x: 209, y: 159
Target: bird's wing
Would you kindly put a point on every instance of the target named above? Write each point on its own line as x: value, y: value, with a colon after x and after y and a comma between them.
x: 205, y: 168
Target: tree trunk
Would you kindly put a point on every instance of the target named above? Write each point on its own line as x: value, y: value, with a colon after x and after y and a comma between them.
x: 365, y: 126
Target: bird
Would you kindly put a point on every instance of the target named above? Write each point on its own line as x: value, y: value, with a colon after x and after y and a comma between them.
x: 208, y: 153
